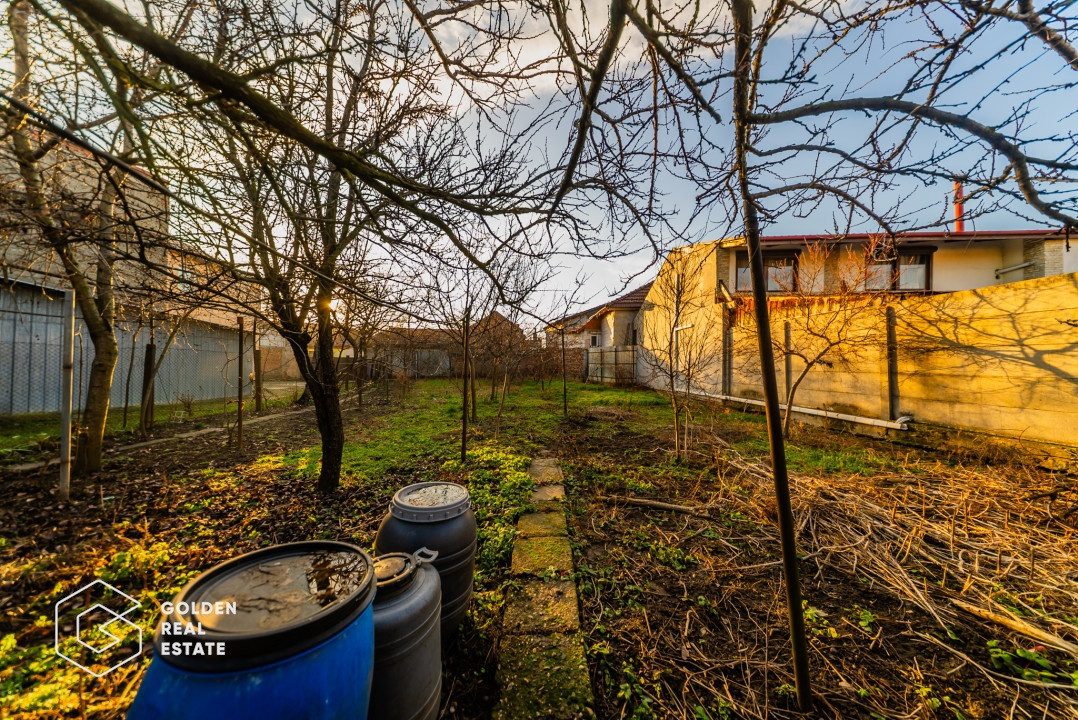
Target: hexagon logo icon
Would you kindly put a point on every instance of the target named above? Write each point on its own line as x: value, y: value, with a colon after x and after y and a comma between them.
x: 92, y: 630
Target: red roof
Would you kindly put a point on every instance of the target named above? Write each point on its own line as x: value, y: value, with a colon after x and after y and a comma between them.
x: 936, y: 235
x: 630, y: 300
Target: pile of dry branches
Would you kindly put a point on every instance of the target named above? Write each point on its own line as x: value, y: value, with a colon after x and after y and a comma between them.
x: 981, y: 552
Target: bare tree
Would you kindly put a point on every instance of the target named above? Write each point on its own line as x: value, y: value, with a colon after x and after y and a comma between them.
x: 287, y: 134
x: 830, y: 312
x: 85, y: 213
x: 682, y: 328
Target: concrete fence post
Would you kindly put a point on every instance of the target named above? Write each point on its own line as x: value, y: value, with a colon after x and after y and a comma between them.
x: 67, y: 394
x: 788, y: 360
x: 892, y: 363
x: 239, y: 382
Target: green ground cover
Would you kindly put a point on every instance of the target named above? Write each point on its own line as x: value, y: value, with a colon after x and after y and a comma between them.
x: 156, y: 518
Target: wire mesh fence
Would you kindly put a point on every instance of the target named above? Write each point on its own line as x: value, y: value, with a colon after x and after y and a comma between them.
x: 199, y: 364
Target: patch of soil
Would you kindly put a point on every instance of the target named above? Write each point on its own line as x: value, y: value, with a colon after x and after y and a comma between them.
x: 686, y: 616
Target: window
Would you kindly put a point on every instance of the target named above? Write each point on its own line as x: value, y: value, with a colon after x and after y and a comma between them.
x: 186, y: 280
x: 632, y: 330
x: 781, y: 269
x: 910, y: 271
x: 913, y: 271
x: 595, y: 339
x: 878, y: 275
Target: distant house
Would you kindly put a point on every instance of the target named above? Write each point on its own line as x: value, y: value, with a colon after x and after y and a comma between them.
x: 418, y: 351
x: 610, y: 324
x: 438, y: 352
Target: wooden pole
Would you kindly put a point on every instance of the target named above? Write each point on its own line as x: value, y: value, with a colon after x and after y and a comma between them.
x: 239, y: 384
x: 66, y: 395
x: 258, y: 379
x: 788, y: 365
x: 743, y: 30
x: 464, y: 396
x: 892, y: 364
x: 146, y: 411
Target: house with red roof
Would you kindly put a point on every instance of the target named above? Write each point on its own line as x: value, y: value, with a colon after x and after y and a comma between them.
x: 610, y: 324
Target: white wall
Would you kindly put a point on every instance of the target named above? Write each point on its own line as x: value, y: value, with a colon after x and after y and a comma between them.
x: 617, y: 327
x: 969, y: 267
x: 1070, y: 257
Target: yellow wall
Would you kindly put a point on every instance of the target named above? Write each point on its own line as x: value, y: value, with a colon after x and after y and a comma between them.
x: 998, y: 359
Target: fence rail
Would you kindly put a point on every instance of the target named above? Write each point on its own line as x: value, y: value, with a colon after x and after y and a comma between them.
x: 615, y: 365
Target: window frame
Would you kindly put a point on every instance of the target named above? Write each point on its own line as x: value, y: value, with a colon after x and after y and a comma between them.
x: 793, y: 255
x: 895, y: 264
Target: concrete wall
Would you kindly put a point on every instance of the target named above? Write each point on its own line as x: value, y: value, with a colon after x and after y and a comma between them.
x: 998, y: 359
x: 1070, y: 257
x: 617, y: 328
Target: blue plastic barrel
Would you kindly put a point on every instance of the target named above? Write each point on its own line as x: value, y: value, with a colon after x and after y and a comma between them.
x: 283, y: 632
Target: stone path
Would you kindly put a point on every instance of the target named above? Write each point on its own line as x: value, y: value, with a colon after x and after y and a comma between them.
x: 542, y: 670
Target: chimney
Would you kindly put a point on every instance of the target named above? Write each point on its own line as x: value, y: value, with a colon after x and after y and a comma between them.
x: 959, y: 208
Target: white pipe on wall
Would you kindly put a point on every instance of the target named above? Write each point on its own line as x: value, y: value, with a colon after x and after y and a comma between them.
x: 900, y: 424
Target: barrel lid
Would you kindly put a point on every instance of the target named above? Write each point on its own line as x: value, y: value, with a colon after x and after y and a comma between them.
x: 394, y: 571
x: 430, y: 502
x: 265, y: 606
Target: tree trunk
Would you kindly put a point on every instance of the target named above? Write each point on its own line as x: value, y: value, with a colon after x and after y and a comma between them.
x: 501, y: 405
x: 96, y: 301
x: 475, y: 409
x: 677, y: 420
x: 464, y: 399
x: 326, y: 394
x: 96, y: 411
x: 361, y: 380
x: 790, y: 400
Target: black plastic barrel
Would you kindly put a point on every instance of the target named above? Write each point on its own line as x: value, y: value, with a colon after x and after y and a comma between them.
x: 280, y: 633
x: 407, y: 639
x: 436, y: 515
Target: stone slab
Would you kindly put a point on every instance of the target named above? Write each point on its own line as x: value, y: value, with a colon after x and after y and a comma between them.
x: 542, y: 606
x: 545, y: 471
x: 548, y: 492
x: 537, y: 555
x: 542, y: 524
x: 543, y: 676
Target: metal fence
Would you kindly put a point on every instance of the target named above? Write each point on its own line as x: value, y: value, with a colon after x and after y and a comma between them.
x: 614, y: 365
x: 199, y: 365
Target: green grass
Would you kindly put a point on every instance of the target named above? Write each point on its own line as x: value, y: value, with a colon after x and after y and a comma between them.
x: 40, y: 432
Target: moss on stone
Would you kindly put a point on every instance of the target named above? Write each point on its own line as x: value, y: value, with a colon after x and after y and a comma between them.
x: 545, y: 524
x: 537, y: 555
x: 542, y: 606
x: 543, y: 676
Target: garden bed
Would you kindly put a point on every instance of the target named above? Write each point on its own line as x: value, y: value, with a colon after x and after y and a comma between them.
x: 932, y: 587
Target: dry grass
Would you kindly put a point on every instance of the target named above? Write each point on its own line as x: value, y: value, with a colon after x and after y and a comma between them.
x: 971, y: 573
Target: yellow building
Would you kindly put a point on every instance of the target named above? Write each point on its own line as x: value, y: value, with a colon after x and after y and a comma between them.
x: 910, y: 335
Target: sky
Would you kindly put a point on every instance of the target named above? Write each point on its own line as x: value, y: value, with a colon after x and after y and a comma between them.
x: 997, y: 83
